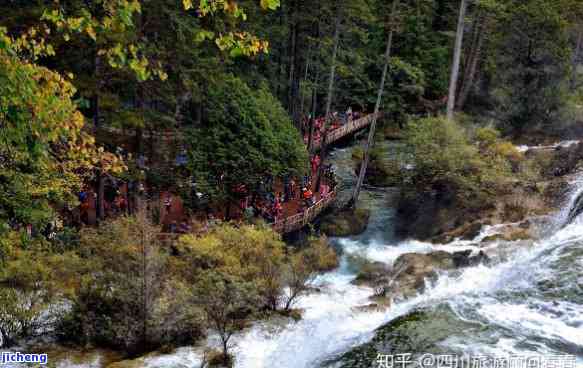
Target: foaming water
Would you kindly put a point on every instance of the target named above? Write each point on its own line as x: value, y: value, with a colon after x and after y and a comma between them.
x: 517, y: 314
x: 531, y: 303
x: 533, y: 300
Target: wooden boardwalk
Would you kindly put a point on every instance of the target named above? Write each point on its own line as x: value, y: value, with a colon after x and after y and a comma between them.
x: 292, y: 220
x: 343, y: 131
x: 299, y: 220
x: 175, y: 136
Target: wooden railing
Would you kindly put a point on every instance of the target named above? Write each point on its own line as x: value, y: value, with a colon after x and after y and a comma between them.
x: 346, y: 129
x: 301, y: 219
x: 297, y: 221
x: 283, y: 226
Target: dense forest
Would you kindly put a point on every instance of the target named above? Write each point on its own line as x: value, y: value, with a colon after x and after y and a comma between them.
x: 137, y: 137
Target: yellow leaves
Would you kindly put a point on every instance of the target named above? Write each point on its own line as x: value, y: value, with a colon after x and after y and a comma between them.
x: 241, y: 43
x: 161, y: 74
x: 74, y: 23
x: 107, y: 23
x: 111, y: 163
x: 187, y: 4
x: 91, y: 32
x: 270, y: 4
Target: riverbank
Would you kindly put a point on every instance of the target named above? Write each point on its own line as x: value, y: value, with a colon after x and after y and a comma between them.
x: 339, y: 314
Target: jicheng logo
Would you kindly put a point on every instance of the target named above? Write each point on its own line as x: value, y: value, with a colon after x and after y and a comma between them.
x: 7, y: 357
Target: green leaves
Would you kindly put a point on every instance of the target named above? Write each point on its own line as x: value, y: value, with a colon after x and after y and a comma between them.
x: 247, y: 134
x: 270, y: 4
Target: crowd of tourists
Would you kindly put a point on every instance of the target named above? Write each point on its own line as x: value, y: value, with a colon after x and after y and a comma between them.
x: 271, y: 200
x: 337, y: 120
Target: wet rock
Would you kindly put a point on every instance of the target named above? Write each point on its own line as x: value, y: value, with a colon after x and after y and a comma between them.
x: 556, y: 191
x: 372, y: 307
x: 471, y: 231
x: 418, y: 332
x: 295, y: 313
x: 464, y: 259
x: 371, y: 274
x: 346, y: 223
x: 566, y: 160
x: 412, y: 269
x: 525, y: 224
x: 510, y: 234
x: 466, y: 232
x: 440, y: 215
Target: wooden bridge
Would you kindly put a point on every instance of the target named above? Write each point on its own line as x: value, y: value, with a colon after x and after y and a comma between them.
x: 286, y: 225
x: 176, y: 135
x: 296, y: 221
x: 341, y: 132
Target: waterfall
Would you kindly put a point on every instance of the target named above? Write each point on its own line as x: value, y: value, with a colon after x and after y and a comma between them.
x: 575, y: 208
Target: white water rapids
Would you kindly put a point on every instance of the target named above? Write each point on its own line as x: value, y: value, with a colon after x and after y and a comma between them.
x: 532, y: 303
x: 506, y: 298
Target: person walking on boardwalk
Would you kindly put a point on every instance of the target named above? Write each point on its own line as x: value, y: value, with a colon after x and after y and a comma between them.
x: 168, y: 203
x: 308, y: 197
x: 315, y: 162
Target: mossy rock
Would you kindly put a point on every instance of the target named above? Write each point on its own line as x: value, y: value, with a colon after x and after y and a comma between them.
x: 216, y: 359
x: 346, y: 223
x: 418, y: 332
x: 519, y: 234
x: 294, y: 313
x: 371, y: 273
x: 465, y: 232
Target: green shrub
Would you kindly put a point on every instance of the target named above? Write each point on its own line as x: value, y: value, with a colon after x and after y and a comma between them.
x: 441, y: 153
x: 487, y: 135
x: 444, y: 156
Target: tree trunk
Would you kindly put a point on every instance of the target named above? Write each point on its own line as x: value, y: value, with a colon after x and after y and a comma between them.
x: 279, y: 91
x: 314, y: 88
x: 100, y: 196
x: 473, y: 60
x: 98, y: 87
x: 144, y: 289
x: 301, y: 90
x: 313, y: 114
x: 228, y: 210
x: 575, y: 61
x: 226, y: 348
x: 371, y: 132
x: 292, y: 58
x: 324, y: 145
x: 178, y: 108
x: 457, y: 52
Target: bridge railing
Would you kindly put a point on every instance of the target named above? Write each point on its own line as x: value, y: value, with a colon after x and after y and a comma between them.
x: 174, y: 134
x: 301, y: 219
x: 346, y: 129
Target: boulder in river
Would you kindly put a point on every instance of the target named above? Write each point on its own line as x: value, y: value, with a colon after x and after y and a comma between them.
x: 417, y: 332
x: 511, y: 233
x: 371, y: 273
x: 346, y: 222
x: 410, y: 270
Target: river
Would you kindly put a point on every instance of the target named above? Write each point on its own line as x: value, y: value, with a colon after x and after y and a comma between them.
x: 529, y: 304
